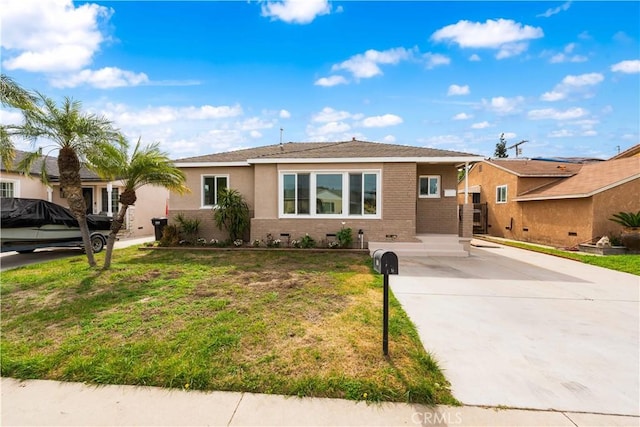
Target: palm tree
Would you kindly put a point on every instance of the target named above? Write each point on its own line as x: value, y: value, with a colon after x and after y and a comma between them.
x: 146, y: 165
x: 14, y: 96
x: 76, y: 135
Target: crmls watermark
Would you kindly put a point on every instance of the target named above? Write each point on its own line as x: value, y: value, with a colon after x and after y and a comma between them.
x: 436, y: 418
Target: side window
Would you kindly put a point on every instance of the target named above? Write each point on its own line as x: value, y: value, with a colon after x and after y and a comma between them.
x: 211, y: 187
x: 429, y: 186
x: 501, y: 194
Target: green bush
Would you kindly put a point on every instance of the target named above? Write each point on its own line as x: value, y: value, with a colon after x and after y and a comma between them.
x: 345, y: 237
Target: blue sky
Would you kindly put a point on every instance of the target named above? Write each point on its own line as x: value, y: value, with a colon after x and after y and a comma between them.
x: 204, y: 77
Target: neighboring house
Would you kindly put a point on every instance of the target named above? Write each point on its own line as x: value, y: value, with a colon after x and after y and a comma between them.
x: 554, y: 203
x: 100, y: 196
x: 386, y: 191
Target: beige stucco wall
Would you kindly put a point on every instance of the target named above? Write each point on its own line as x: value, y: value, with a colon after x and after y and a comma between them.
x: 560, y: 223
x: 624, y: 198
x: 26, y: 187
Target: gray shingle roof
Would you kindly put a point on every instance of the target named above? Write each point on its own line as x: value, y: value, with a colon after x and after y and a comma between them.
x: 51, y: 166
x: 325, y: 150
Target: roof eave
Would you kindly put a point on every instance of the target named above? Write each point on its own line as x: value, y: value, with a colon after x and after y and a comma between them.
x: 210, y: 164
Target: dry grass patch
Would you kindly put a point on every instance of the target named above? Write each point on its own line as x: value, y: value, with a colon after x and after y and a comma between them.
x: 297, y: 323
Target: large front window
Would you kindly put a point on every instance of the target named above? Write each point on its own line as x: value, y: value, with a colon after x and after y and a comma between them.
x: 328, y: 194
x: 212, y: 185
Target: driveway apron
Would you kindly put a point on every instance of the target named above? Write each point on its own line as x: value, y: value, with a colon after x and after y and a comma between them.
x: 526, y: 330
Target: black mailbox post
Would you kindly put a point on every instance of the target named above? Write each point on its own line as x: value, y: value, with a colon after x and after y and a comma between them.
x: 385, y: 263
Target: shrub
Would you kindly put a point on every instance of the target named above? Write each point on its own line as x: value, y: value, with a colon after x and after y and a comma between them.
x: 627, y: 219
x: 170, y: 236
x: 344, y: 237
x: 232, y: 213
x: 307, y: 242
x: 189, y: 227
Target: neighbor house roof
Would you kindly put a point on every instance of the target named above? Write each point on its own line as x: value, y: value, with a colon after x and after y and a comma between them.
x: 307, y: 152
x: 51, y: 166
x: 629, y: 152
x: 592, y: 178
x: 537, y: 168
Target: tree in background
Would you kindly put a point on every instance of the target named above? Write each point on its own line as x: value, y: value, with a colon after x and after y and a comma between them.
x: 77, y: 135
x: 146, y: 165
x: 501, y: 148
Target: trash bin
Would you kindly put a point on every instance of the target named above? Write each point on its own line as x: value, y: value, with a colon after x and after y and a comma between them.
x: 158, y: 225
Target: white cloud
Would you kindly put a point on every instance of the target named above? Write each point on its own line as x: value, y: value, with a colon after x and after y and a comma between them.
x: 462, y: 116
x: 295, y: 11
x: 10, y: 117
x: 331, y: 128
x: 562, y: 133
x: 553, y: 11
x: 381, y: 121
x: 508, y: 135
x: 389, y: 139
x: 508, y: 36
x: 254, y: 123
x: 284, y: 114
x: 328, y: 114
x: 50, y: 36
x: 441, y: 140
x: 559, y: 58
x: 573, y: 84
x: 589, y: 79
x: 366, y: 65
x: 629, y: 66
x: 458, y: 90
x: 502, y: 105
x: 330, y: 81
x: 435, y: 59
x: 123, y: 116
x: 255, y: 134
x: 553, y: 114
x: 104, y: 78
x: 474, y: 58
x: 480, y: 125
x: 589, y: 133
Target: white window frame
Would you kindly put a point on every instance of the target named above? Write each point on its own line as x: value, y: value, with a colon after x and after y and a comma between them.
x: 16, y: 186
x: 345, y: 194
x: 215, y: 182
x: 429, y: 195
x: 506, y: 189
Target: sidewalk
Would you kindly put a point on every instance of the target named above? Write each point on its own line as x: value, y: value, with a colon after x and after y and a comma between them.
x: 51, y: 403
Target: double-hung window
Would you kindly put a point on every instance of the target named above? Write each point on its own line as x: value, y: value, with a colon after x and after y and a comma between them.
x: 501, y: 194
x: 212, y: 185
x: 429, y: 186
x: 7, y: 189
x: 115, y: 198
x: 329, y: 194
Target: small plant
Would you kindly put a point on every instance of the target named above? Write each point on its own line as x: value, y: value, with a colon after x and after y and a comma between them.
x: 201, y: 241
x: 189, y: 227
x: 238, y: 242
x: 257, y: 243
x: 214, y: 242
x: 627, y: 219
x: 295, y: 243
x: 271, y: 242
x: 170, y: 236
x: 615, y: 240
x: 307, y: 242
x: 345, y: 237
x: 333, y: 245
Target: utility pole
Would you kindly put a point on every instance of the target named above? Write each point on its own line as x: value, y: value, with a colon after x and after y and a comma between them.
x: 517, y: 147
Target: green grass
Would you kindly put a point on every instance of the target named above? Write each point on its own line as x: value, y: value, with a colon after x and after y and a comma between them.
x: 624, y: 263
x: 293, y: 323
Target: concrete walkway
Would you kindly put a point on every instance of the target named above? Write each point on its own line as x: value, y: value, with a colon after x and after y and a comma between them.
x: 521, y: 329
x: 51, y: 403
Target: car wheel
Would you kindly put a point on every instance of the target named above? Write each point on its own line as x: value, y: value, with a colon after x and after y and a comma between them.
x: 28, y: 251
x: 97, y: 244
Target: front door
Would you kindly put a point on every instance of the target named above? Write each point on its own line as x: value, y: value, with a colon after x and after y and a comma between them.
x: 87, y: 193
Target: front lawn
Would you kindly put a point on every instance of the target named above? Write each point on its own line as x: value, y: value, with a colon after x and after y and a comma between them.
x: 293, y: 323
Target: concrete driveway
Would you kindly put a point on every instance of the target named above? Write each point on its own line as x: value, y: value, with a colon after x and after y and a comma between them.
x: 526, y: 330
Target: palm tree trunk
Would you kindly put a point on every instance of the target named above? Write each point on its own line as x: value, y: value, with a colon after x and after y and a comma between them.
x: 116, y: 225
x: 71, y: 184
